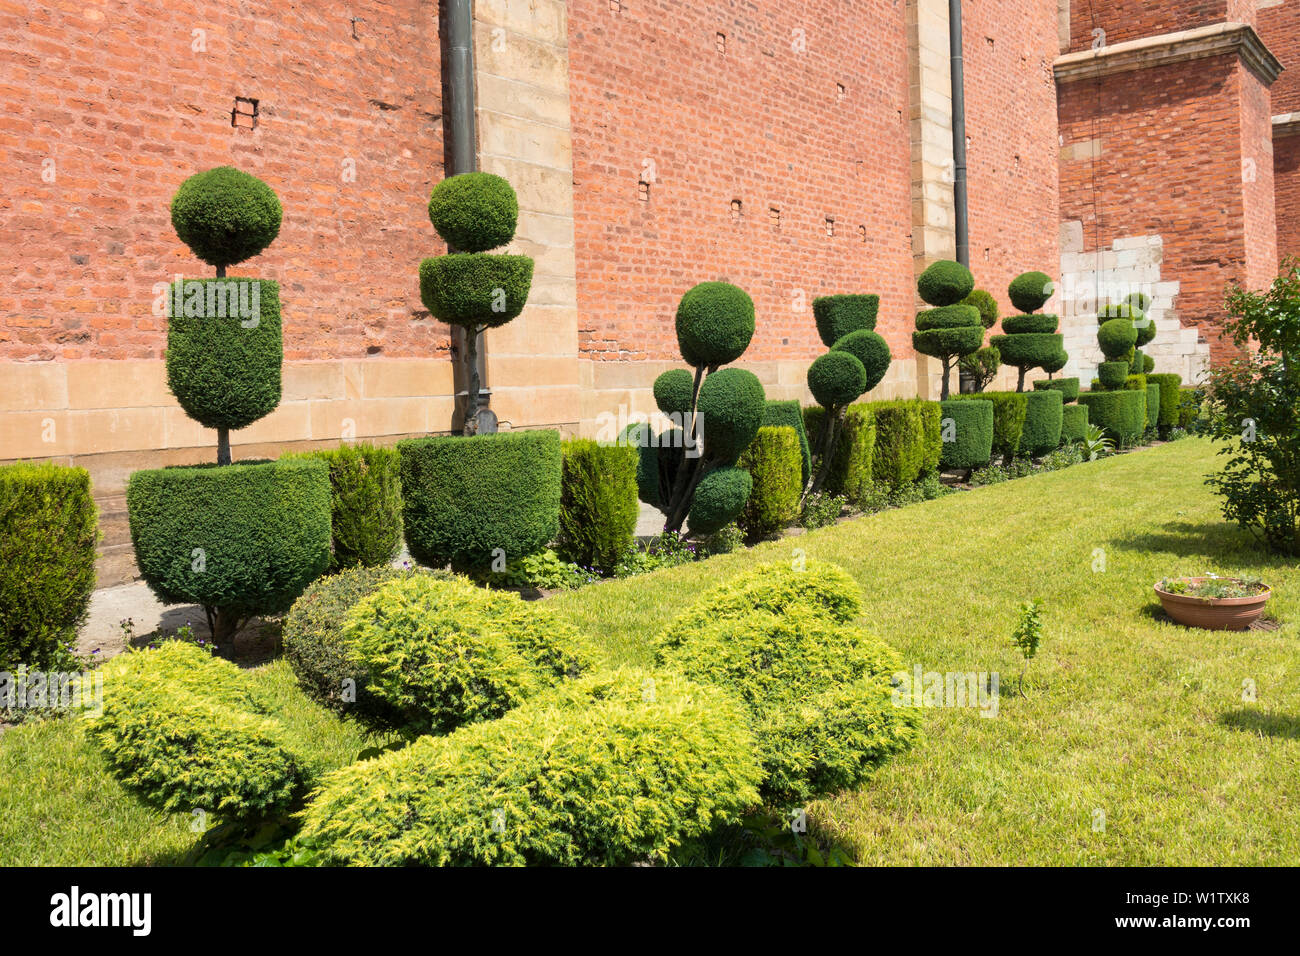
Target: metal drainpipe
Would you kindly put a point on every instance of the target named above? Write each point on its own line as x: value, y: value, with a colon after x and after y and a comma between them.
x: 958, y: 133
x: 460, y: 150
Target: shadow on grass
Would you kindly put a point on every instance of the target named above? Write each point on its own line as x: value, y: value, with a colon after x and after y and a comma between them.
x: 1218, y: 541
x: 1261, y: 723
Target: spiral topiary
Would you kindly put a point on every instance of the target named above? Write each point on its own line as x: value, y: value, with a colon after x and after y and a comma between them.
x: 1030, y: 341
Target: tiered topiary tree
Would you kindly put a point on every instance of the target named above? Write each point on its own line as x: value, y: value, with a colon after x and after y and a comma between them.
x: 1030, y: 340
x: 469, y: 287
x: 951, y: 329
x: 856, y: 363
x: 689, y: 472
x: 980, y: 368
x: 1112, y: 404
x: 1117, y: 335
x: 1140, y: 303
x: 244, y: 539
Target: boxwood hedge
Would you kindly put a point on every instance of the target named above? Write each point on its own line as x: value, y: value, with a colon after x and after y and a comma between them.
x: 971, y: 430
x: 851, y: 469
x: 1074, y: 423
x: 1009, y: 410
x: 365, y: 506
x: 1068, y: 387
x: 777, y: 413
x: 598, y: 503
x: 774, y: 466
x: 1121, y: 414
x: 466, y: 497
x: 908, y: 441
x: 1169, y: 397
x: 1043, y: 418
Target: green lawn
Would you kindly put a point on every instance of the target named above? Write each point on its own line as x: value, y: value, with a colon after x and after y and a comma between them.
x: 1127, y: 714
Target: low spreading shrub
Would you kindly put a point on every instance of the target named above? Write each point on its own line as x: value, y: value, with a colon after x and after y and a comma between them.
x: 445, y: 653
x: 821, y: 510
x: 467, y: 498
x: 1043, y: 421
x: 774, y: 466
x: 819, y: 694
x: 598, y: 503
x: 612, y: 769
x: 851, y: 467
x: 788, y: 413
x: 365, y: 505
x: 184, y: 731
x: 241, y: 539
x: 968, y: 434
x: 48, y: 533
x: 1120, y: 414
x: 1009, y: 411
x: 1074, y: 423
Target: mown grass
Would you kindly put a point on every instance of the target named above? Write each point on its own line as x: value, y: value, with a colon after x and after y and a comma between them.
x: 1126, y: 714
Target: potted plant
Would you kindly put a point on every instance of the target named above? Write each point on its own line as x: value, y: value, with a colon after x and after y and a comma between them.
x: 1212, y: 602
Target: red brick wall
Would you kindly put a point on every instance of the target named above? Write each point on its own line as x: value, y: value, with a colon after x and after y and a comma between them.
x: 1008, y: 48
x: 113, y: 94
x: 1286, y: 178
x: 1259, y: 210
x: 1170, y: 164
x: 1279, y: 28
x: 761, y: 123
x: 1124, y: 20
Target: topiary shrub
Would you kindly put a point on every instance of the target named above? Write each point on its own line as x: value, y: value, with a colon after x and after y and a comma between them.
x: 225, y: 216
x: 470, y: 287
x: 901, y: 451
x: 722, y: 409
x: 775, y: 467
x: 1009, y: 411
x: 612, y: 769
x: 1117, y: 337
x: 1170, y: 386
x: 836, y: 379
x: 1068, y: 387
x: 1074, y: 424
x: 1112, y: 375
x: 470, y: 500
x: 819, y: 693
x: 365, y: 504
x: 1120, y: 414
x: 967, y: 435
x: 981, y: 368
x: 791, y: 415
x: 850, y: 473
x: 950, y: 331
x: 48, y: 532
x: 444, y: 652
x: 1153, y: 404
x: 838, y: 316
x: 1043, y: 422
x: 932, y: 437
x: 241, y: 540
x: 185, y: 732
x: 987, y: 306
x: 598, y: 503
x: 1030, y: 341
x: 777, y: 587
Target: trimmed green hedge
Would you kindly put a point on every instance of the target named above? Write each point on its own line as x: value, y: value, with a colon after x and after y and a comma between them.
x: 476, y: 289
x: 474, y: 212
x: 1169, y: 397
x: 790, y: 414
x: 850, y: 475
x: 365, y: 504
x: 1116, y: 336
x: 1043, y: 420
x: 972, y: 434
x: 224, y: 369
x: 48, y: 532
x: 1068, y: 387
x: 775, y: 467
x: 1153, y: 404
x: 1039, y: 323
x: 1030, y: 291
x: 612, y: 769
x: 1112, y: 375
x: 243, y: 538
x: 445, y: 652
x: 225, y: 215
x: 1009, y: 411
x: 185, y: 732
x: 598, y: 503
x: 466, y: 497
x: 840, y: 315
x: 1121, y: 414
x: 905, y: 446
x: 715, y: 323
x: 1074, y: 423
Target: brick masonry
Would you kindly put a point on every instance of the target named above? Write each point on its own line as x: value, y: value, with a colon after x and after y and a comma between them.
x: 1279, y: 26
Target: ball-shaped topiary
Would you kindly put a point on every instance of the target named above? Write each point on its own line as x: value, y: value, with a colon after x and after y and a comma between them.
x: 476, y: 290
x: 1146, y: 328
x: 446, y: 653
x: 987, y: 305
x: 474, y: 212
x: 731, y: 405
x: 871, y: 349
x: 225, y: 216
x: 715, y: 323
x: 945, y: 283
x: 841, y: 315
x: 1030, y: 291
x: 1116, y: 337
x: 719, y: 499
x: 836, y: 379
x: 674, y: 391
x: 1138, y: 300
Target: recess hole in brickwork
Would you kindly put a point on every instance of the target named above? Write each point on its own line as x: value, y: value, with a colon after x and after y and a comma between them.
x: 735, y: 209
x: 862, y: 233
x: 774, y: 216
x: 246, y: 110
x: 643, y: 191
x: 720, y: 41
x: 830, y: 227
x: 839, y: 91
x: 615, y: 5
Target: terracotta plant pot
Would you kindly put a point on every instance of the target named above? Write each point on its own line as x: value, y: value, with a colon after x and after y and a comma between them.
x: 1213, y: 614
